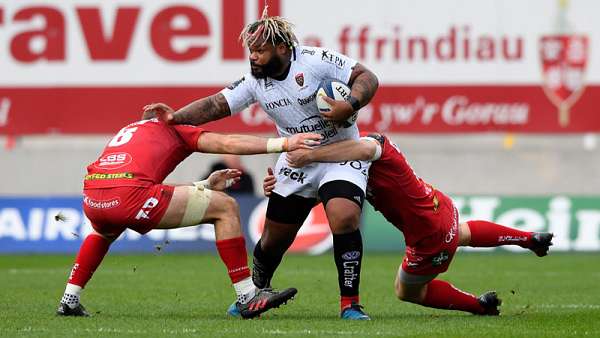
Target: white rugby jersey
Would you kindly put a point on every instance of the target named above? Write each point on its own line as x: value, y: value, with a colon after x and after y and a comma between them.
x: 291, y: 103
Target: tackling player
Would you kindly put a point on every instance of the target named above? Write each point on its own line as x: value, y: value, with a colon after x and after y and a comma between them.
x: 284, y: 79
x: 428, y: 220
x: 123, y: 189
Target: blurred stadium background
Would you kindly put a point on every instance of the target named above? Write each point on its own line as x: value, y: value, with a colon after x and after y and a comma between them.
x: 495, y: 102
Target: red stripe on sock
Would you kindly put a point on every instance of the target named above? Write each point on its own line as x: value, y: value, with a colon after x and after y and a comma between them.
x: 233, y: 254
x: 92, y: 251
x: 346, y: 301
x: 488, y: 234
x: 443, y: 295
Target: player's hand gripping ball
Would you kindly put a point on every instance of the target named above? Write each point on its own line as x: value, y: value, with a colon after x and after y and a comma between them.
x: 338, y: 91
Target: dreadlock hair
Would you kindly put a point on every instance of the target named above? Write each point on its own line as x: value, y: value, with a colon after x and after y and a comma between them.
x: 273, y: 29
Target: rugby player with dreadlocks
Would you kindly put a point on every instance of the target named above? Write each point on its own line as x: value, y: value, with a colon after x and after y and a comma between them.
x: 284, y: 79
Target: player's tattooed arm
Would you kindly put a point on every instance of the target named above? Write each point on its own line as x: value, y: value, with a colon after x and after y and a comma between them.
x: 364, y: 84
x: 204, y: 110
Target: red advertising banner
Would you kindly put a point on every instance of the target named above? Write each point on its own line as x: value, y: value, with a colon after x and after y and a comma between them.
x: 73, y: 67
x: 426, y: 109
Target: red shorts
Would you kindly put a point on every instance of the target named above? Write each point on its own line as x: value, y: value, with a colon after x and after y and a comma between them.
x: 433, y: 254
x: 112, y: 210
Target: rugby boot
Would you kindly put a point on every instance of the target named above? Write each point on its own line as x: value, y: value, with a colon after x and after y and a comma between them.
x: 65, y: 310
x: 233, y: 310
x: 490, y: 303
x: 540, y: 243
x: 354, y: 312
x: 264, y: 300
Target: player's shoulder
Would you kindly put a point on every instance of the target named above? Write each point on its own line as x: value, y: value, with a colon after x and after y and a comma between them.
x: 246, y: 80
x: 307, y: 53
x: 314, y: 55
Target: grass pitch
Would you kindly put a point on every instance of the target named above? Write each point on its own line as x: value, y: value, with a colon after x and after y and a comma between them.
x: 187, y: 295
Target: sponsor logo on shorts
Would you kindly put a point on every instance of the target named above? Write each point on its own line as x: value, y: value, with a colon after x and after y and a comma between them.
x: 440, y: 258
x: 350, y: 255
x: 144, y: 212
x: 357, y: 165
x: 297, y: 176
x: 113, y: 161
x: 113, y: 176
x: 104, y: 204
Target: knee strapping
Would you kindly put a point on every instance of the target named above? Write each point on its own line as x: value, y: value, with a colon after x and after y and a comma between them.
x: 198, y: 200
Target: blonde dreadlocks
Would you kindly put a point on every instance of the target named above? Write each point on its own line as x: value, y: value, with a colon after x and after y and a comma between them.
x: 273, y: 29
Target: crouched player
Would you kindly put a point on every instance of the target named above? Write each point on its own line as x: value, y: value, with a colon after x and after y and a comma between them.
x: 428, y: 220
x: 123, y: 189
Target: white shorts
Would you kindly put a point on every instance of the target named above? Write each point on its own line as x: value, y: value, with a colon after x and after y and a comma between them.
x: 307, y: 180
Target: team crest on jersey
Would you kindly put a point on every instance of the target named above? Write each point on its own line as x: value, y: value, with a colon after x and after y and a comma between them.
x: 300, y: 79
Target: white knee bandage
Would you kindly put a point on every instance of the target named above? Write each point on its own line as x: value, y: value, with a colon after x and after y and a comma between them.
x: 198, y: 201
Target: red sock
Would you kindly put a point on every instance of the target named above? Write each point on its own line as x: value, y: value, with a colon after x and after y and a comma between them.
x: 346, y: 301
x: 92, y: 251
x: 488, y: 234
x: 233, y: 254
x: 443, y: 295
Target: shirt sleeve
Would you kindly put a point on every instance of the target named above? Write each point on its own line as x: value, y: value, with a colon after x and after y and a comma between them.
x: 189, y: 135
x: 239, y: 95
x: 332, y: 64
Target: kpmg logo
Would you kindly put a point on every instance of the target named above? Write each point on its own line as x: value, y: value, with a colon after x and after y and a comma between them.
x: 333, y: 59
x: 315, y: 124
x: 278, y: 104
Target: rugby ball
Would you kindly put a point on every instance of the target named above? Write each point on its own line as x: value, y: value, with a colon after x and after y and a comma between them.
x: 338, y: 91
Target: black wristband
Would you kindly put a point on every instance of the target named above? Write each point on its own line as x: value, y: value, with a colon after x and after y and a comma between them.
x: 353, y: 102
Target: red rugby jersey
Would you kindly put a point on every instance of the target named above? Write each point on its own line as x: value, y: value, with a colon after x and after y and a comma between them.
x: 141, y: 154
x: 403, y: 198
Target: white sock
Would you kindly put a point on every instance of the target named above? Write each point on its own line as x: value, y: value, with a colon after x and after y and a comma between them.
x: 245, y: 290
x: 71, y: 295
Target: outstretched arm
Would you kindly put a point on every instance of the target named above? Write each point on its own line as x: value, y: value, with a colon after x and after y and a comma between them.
x: 201, y: 111
x: 214, y: 143
x: 348, y: 150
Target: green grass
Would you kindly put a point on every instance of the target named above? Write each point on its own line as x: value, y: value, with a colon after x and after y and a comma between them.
x: 186, y: 295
